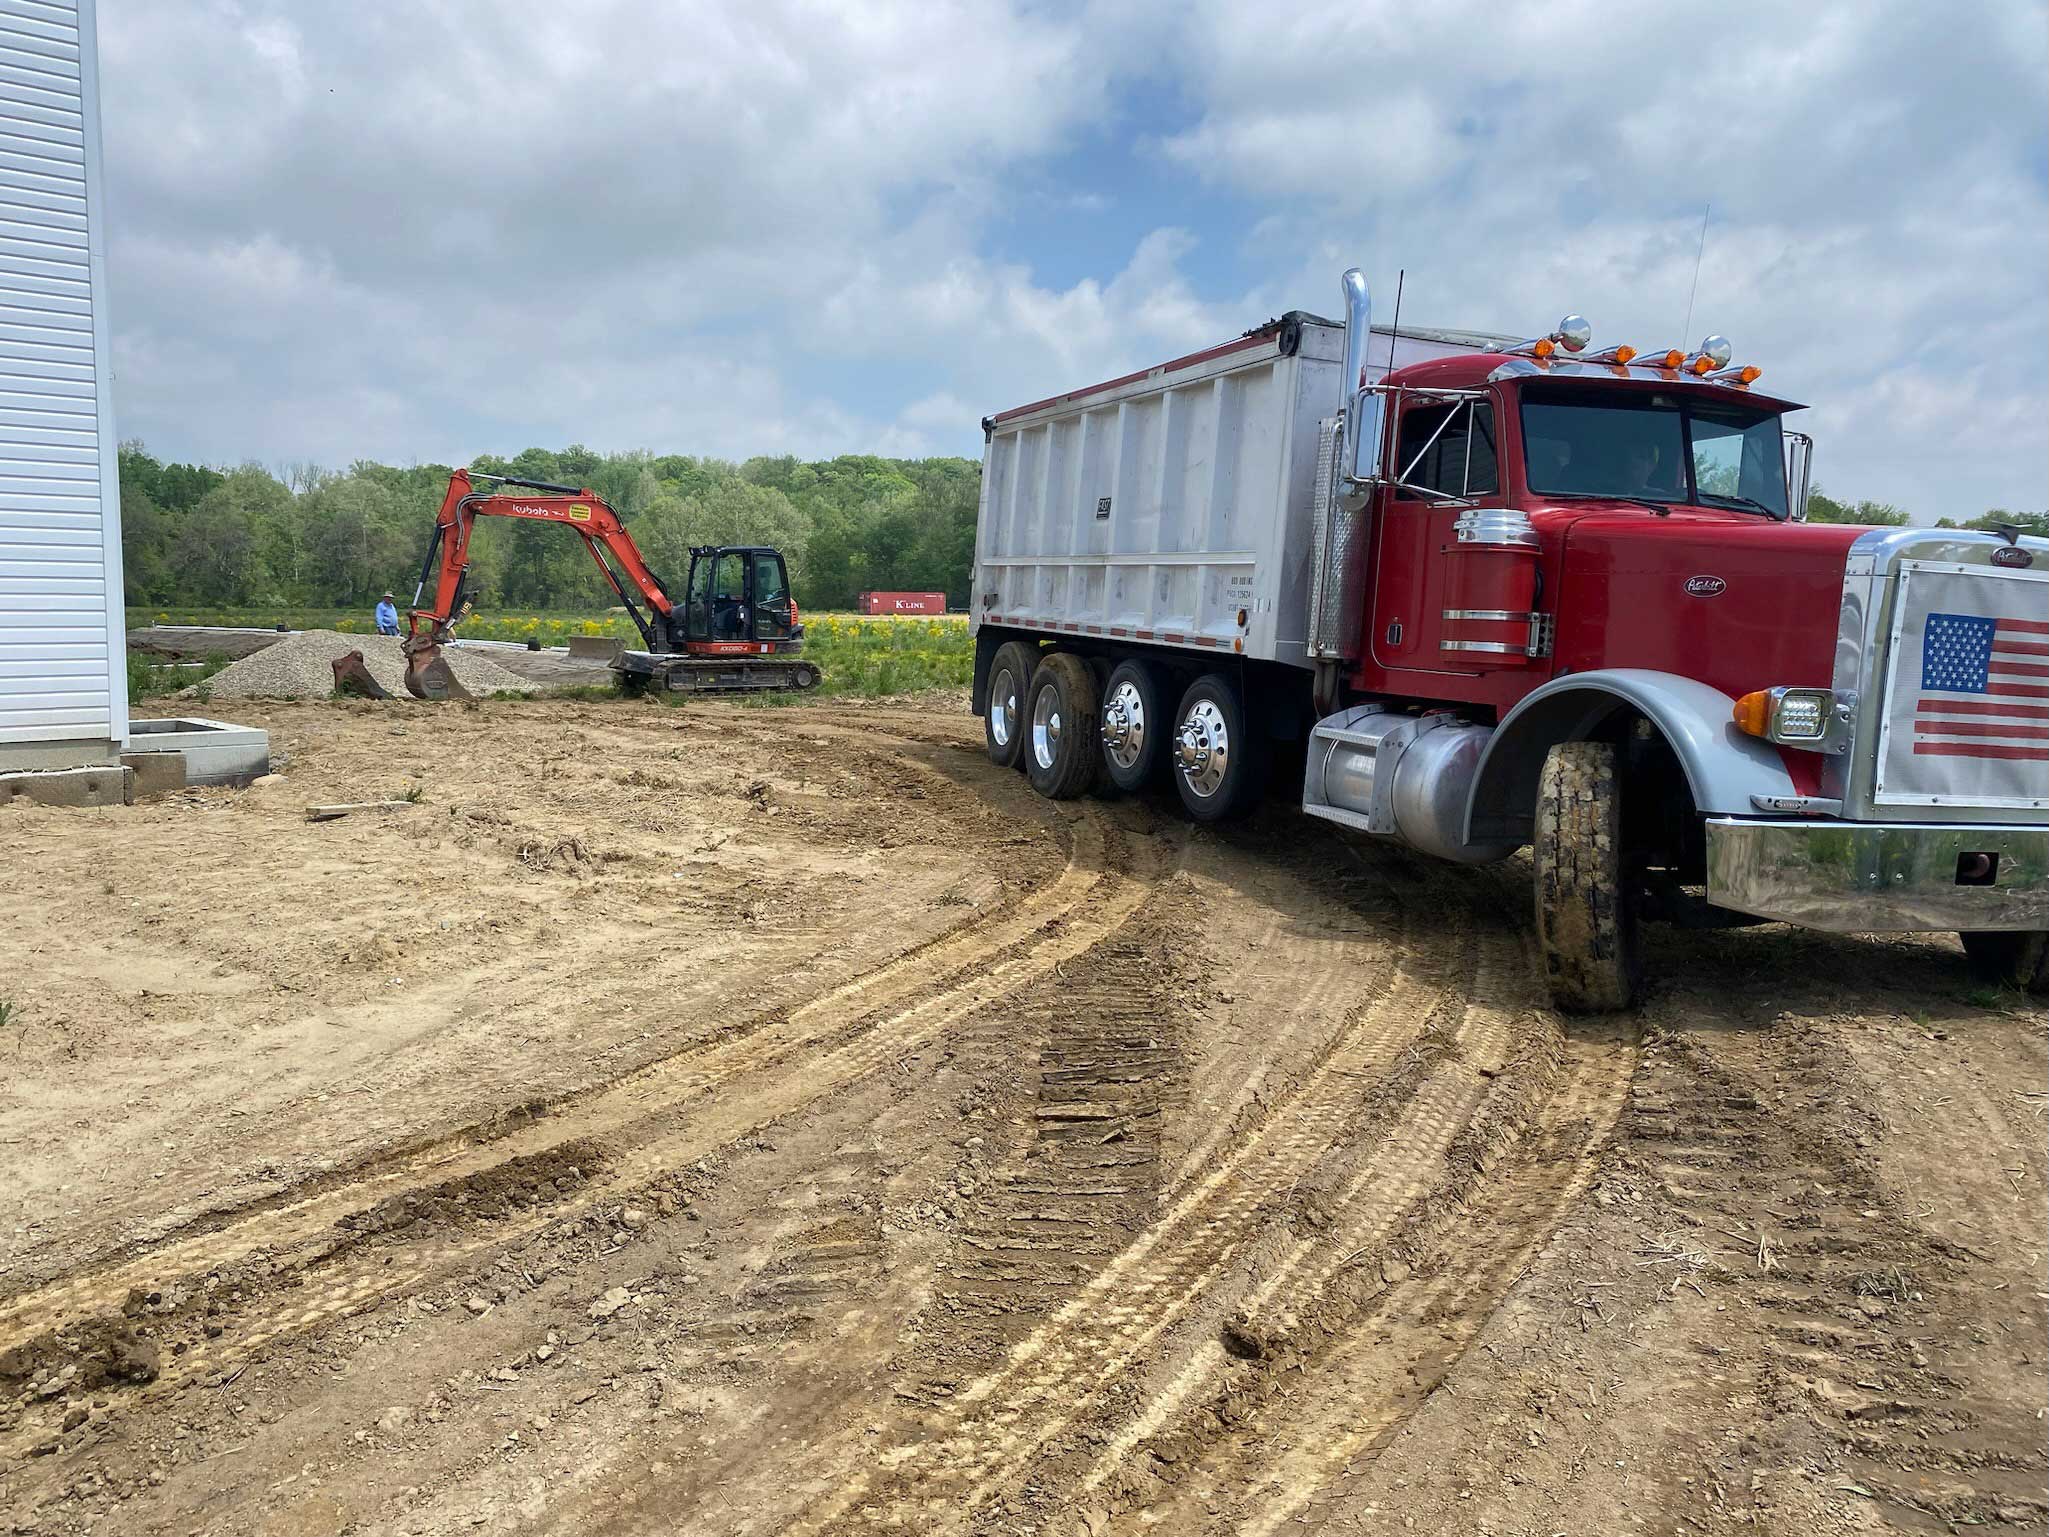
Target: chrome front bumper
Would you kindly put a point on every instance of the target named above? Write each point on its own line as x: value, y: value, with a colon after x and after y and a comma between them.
x: 1873, y: 877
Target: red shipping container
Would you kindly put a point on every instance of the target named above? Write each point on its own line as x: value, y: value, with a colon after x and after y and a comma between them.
x: 902, y: 603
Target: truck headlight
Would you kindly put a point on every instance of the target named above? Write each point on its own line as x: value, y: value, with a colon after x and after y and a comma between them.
x: 1798, y: 717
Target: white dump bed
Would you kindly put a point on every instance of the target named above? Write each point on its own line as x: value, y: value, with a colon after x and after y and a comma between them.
x: 1173, y: 506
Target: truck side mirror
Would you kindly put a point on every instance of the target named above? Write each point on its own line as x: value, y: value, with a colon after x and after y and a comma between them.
x: 1799, y: 473
x: 1365, y: 428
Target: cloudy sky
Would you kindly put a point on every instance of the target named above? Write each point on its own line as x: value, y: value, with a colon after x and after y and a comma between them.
x: 405, y: 230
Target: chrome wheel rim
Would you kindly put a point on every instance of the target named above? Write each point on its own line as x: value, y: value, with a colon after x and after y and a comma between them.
x: 1202, y: 748
x: 1046, y: 727
x: 1003, y: 707
x: 1124, y: 725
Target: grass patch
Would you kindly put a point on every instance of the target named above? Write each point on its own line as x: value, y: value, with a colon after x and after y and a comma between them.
x: 149, y: 679
x: 869, y: 657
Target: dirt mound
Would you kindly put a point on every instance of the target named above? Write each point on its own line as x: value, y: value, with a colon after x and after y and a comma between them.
x: 301, y: 666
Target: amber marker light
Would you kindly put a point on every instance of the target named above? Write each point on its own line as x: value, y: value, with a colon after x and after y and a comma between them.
x: 1624, y: 354
x: 1753, y: 713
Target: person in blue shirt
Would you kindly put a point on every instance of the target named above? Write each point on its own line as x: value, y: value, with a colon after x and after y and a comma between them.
x: 387, y: 616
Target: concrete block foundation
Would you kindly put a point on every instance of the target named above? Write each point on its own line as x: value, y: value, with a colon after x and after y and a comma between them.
x: 156, y: 773
x: 215, y: 752
x: 98, y: 786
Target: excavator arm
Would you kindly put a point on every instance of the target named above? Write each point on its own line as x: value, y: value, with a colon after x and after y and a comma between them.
x: 431, y: 623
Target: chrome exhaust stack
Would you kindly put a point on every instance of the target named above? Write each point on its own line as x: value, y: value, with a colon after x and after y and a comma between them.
x: 1360, y: 458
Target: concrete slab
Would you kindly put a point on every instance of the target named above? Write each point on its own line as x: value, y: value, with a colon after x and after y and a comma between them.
x: 215, y: 752
x: 156, y: 773
x: 71, y: 787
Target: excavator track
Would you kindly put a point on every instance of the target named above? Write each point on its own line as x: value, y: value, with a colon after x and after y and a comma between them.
x: 641, y: 670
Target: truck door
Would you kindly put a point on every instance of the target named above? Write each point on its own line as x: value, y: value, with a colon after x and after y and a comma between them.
x: 1444, y: 449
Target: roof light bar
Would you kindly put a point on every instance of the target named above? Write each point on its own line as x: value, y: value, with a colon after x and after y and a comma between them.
x: 1572, y: 335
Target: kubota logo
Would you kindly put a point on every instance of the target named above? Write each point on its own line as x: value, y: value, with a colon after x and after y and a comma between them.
x: 1705, y: 586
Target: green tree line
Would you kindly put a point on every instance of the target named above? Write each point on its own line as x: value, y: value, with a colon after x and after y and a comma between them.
x: 1823, y: 508
x: 194, y: 536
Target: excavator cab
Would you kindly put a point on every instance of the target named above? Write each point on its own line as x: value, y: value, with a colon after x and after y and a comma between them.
x: 737, y: 601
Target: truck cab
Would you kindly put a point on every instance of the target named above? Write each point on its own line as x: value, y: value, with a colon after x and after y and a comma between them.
x: 1507, y: 593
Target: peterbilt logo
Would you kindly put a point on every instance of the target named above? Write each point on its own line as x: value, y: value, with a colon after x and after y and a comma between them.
x: 1705, y: 586
x: 2013, y: 555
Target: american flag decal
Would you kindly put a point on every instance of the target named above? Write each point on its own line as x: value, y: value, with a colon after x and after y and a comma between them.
x: 1984, y: 688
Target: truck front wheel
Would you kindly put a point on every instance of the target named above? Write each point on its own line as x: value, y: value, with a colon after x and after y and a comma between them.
x: 1061, y: 746
x: 1586, y: 904
x: 1218, y: 766
x: 1010, y: 676
x: 2017, y: 958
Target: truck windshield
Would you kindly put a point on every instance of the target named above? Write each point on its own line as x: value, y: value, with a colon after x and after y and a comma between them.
x: 1651, y: 446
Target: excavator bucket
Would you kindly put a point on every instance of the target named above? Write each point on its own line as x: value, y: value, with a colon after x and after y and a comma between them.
x: 428, y: 675
x: 352, y: 677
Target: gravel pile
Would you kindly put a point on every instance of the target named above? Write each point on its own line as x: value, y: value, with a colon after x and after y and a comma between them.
x: 301, y: 666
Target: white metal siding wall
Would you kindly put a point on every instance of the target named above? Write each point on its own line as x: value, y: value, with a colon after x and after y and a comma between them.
x: 62, y: 670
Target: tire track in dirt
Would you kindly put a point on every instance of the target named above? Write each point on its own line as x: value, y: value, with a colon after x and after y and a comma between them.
x: 1841, y: 1283
x: 1378, y: 1195
x: 514, y: 981
x: 1366, y: 1381
x: 955, y: 1462
x: 817, y: 1048
x: 1304, y: 947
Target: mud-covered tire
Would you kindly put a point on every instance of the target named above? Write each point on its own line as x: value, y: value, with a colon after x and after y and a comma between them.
x: 1586, y: 906
x: 1135, y: 726
x: 1219, y: 766
x: 1062, y: 748
x: 1010, y: 680
x: 2018, y: 958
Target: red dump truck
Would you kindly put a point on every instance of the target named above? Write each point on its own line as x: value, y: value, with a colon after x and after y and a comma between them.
x: 1490, y: 593
x: 901, y: 602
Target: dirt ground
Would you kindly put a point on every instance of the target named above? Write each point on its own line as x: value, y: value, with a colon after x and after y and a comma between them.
x: 733, y: 1120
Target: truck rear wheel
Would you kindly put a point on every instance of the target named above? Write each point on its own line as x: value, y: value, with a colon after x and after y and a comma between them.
x: 1586, y: 904
x: 1010, y: 675
x: 1219, y: 769
x: 1061, y: 744
x: 1134, y: 726
x: 2018, y: 958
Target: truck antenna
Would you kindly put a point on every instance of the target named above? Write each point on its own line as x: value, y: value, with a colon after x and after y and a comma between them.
x: 1686, y: 326
x: 1395, y: 331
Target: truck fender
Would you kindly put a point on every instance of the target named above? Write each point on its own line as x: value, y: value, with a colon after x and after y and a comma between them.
x: 1724, y: 767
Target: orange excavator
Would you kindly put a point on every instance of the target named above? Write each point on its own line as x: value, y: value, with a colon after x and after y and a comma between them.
x: 736, y: 630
